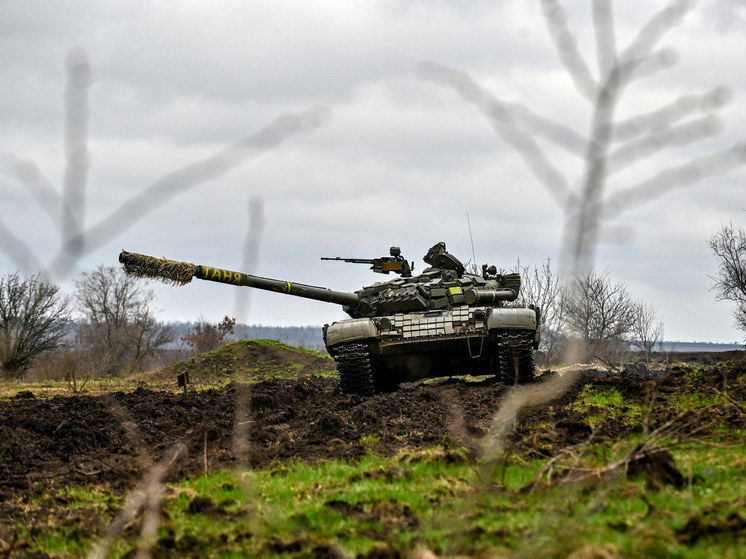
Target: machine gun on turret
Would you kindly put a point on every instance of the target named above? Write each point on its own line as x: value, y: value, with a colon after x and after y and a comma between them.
x: 394, y: 263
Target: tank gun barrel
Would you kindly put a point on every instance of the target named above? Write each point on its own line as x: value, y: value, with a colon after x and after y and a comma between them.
x: 180, y: 273
x: 351, y: 260
x: 482, y: 296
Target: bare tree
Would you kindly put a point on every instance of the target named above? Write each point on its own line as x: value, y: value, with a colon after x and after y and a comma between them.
x: 206, y: 337
x: 70, y: 363
x: 647, y: 329
x: 33, y: 320
x: 543, y: 288
x: 119, y: 327
x: 600, y: 315
x: 740, y: 316
x: 610, y: 145
x: 729, y: 245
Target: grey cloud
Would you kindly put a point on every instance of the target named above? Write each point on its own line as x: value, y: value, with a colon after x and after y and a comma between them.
x: 401, y: 162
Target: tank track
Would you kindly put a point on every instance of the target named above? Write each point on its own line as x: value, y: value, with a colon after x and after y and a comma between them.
x: 355, y: 369
x: 516, y: 353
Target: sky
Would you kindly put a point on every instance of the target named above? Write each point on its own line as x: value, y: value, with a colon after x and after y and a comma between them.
x: 261, y: 135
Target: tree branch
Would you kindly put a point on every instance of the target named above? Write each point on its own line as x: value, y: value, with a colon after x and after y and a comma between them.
x: 543, y: 127
x: 568, y: 50
x: 504, y: 124
x: 603, y: 25
x: 669, y: 114
x: 654, y: 30
x: 38, y: 186
x: 675, y: 177
x: 76, y: 151
x: 181, y: 180
x: 661, y: 139
x: 18, y: 251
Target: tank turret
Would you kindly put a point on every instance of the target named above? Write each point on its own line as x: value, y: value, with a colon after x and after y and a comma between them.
x: 444, y: 321
x: 442, y: 286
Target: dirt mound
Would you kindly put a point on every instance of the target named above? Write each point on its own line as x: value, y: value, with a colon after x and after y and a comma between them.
x: 248, y: 360
x: 113, y: 438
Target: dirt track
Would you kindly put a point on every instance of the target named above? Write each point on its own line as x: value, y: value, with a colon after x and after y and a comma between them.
x: 113, y: 439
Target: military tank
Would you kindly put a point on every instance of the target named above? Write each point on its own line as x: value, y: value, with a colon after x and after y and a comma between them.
x: 442, y: 322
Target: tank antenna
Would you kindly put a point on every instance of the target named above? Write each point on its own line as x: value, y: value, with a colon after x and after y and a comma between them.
x: 471, y: 238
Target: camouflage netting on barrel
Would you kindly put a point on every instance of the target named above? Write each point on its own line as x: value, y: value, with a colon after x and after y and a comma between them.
x: 168, y: 271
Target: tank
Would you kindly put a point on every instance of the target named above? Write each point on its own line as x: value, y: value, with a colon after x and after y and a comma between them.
x: 440, y: 323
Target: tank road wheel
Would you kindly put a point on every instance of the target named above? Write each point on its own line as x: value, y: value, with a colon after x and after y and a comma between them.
x: 516, y: 357
x: 355, y: 369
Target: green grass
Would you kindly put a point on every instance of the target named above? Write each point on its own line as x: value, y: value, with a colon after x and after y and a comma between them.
x: 50, y: 388
x: 436, y: 499
x: 599, y: 406
x: 428, y: 499
x: 282, y: 345
x: 692, y: 400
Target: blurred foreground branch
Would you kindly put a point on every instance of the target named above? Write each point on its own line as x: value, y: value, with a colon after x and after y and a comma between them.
x: 610, y: 145
x: 67, y: 209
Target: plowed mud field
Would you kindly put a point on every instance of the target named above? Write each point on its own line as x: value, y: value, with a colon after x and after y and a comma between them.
x: 113, y: 439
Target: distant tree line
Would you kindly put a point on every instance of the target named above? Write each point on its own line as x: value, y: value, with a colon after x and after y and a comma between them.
x: 598, y: 318
x: 588, y: 317
x: 106, y: 328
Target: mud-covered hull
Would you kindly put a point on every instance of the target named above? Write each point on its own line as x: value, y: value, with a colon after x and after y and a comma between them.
x: 412, y: 346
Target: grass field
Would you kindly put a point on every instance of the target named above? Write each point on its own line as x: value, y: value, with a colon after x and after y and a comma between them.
x: 422, y: 501
x: 659, y: 471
